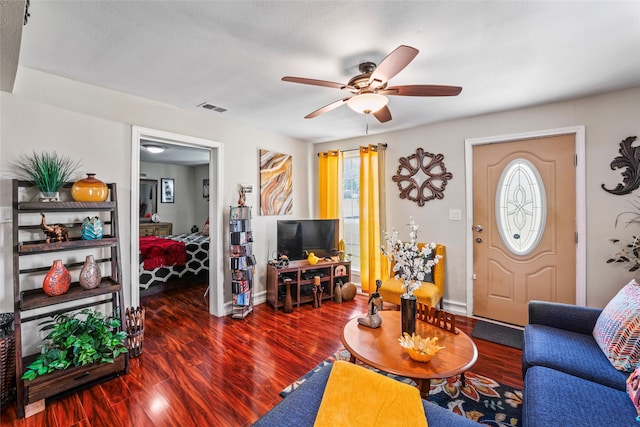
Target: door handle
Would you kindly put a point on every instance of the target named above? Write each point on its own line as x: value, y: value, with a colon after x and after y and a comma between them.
x: 478, y: 228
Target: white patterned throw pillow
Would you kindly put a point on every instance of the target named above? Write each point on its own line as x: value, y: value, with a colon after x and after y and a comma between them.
x: 617, y: 329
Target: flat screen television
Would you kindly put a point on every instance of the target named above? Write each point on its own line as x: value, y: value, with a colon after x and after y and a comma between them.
x: 298, y: 237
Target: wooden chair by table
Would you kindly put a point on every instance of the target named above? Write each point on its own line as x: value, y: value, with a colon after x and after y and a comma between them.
x: 429, y: 293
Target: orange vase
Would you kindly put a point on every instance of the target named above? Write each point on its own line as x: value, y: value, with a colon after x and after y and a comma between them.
x: 57, y: 280
x: 89, y: 189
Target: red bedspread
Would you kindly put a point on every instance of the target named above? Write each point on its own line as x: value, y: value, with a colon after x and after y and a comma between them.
x: 157, y: 252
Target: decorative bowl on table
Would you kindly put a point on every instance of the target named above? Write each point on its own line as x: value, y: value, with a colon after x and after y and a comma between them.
x: 420, y: 349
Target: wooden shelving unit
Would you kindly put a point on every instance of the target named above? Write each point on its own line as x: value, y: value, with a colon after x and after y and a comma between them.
x: 30, y: 260
x: 301, y: 274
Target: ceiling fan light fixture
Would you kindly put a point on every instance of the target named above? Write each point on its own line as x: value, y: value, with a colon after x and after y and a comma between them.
x: 154, y: 148
x: 367, y: 103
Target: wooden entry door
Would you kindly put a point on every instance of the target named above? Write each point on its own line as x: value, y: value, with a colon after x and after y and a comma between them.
x: 507, y: 277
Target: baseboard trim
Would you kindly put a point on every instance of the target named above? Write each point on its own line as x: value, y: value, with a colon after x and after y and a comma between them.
x: 455, y: 307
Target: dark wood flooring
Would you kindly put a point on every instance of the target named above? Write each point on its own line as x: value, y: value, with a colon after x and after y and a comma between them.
x: 199, y: 370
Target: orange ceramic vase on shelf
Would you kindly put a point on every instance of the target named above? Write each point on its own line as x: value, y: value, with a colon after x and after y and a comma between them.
x: 57, y: 280
x: 89, y: 189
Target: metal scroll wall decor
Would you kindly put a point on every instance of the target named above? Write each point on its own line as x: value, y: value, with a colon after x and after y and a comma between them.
x: 422, y: 177
x: 629, y: 158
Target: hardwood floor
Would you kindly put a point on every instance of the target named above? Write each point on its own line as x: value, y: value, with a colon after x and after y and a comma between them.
x: 199, y: 370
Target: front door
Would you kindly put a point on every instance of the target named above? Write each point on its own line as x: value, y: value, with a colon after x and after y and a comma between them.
x: 524, y: 226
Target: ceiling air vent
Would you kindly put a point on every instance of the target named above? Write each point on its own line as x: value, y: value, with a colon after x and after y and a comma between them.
x: 212, y: 107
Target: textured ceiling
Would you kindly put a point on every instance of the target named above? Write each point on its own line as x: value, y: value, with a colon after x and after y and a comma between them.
x: 233, y: 54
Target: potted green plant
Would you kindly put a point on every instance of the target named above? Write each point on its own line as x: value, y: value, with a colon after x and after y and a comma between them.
x: 78, y: 339
x: 47, y: 170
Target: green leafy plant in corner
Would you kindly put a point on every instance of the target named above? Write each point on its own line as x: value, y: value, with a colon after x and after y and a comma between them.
x: 78, y: 339
x: 629, y: 252
x: 47, y: 170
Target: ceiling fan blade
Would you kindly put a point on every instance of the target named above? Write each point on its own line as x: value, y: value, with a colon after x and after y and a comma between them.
x: 327, y: 108
x: 315, y: 82
x: 421, y: 90
x: 383, y: 114
x: 392, y: 65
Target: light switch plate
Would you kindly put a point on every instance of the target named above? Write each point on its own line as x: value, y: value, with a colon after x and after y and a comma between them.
x: 6, y: 214
x: 455, y: 214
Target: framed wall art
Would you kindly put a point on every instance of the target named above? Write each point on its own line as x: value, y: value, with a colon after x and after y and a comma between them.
x: 276, y: 195
x: 205, y: 188
x: 168, y: 190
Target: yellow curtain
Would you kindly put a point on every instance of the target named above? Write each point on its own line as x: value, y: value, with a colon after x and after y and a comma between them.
x: 372, y: 263
x: 382, y: 195
x: 329, y: 184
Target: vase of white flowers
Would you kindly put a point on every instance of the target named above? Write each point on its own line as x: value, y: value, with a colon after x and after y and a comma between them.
x: 408, y: 312
x: 412, y: 262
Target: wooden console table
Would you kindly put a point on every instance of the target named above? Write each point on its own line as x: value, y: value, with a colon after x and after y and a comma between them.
x: 301, y: 274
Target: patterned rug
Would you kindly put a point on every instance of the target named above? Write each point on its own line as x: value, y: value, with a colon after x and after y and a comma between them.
x: 482, y: 399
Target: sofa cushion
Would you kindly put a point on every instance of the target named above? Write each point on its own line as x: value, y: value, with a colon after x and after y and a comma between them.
x: 553, y: 398
x: 570, y: 352
x: 617, y: 330
x: 556, y: 315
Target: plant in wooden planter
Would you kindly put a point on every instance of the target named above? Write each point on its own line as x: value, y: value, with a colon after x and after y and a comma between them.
x: 47, y: 170
x: 78, y: 339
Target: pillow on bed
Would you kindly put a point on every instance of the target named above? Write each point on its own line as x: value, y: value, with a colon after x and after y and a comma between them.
x: 205, y: 229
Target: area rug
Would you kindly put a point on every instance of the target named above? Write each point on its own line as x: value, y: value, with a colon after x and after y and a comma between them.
x: 511, y: 337
x: 482, y: 399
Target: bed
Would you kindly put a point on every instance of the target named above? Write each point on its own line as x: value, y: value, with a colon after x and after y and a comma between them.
x: 176, y: 256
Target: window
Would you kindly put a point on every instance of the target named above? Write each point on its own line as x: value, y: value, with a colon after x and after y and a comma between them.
x: 351, y: 207
x: 521, y: 206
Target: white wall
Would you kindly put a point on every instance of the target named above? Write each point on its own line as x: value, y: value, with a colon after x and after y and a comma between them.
x: 608, y: 118
x: 94, y: 125
x: 184, y: 213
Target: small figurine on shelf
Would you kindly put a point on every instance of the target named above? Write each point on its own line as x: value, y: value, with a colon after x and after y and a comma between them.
x: 281, y: 262
x: 57, y: 232
x: 373, y: 319
x: 242, y: 199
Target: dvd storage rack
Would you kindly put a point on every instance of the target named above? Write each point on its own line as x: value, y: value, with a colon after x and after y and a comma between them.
x: 241, y: 260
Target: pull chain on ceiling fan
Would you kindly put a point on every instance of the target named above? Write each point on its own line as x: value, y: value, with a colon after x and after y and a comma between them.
x: 369, y: 89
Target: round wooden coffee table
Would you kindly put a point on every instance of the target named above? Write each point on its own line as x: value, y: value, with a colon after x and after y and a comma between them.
x: 380, y: 348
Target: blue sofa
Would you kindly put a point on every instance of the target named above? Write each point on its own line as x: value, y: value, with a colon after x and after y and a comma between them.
x: 568, y: 380
x: 299, y: 409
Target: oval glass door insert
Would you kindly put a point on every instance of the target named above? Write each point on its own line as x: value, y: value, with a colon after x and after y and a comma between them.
x: 521, y: 207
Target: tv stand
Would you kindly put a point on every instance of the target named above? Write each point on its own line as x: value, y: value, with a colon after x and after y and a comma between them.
x: 301, y: 274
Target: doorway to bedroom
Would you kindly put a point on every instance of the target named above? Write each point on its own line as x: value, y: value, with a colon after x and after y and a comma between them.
x: 175, y: 185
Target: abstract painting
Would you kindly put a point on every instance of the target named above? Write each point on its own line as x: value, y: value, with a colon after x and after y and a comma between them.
x: 276, y: 195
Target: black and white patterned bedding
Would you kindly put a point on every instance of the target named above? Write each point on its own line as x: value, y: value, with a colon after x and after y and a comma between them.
x: 197, y: 261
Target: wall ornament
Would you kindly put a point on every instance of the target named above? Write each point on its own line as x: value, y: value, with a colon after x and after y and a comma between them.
x: 629, y: 158
x: 422, y: 177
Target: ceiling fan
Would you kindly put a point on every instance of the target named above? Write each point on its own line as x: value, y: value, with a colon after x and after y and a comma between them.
x: 369, y: 88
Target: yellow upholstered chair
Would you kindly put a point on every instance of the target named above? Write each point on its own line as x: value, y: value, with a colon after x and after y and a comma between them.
x: 429, y: 293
